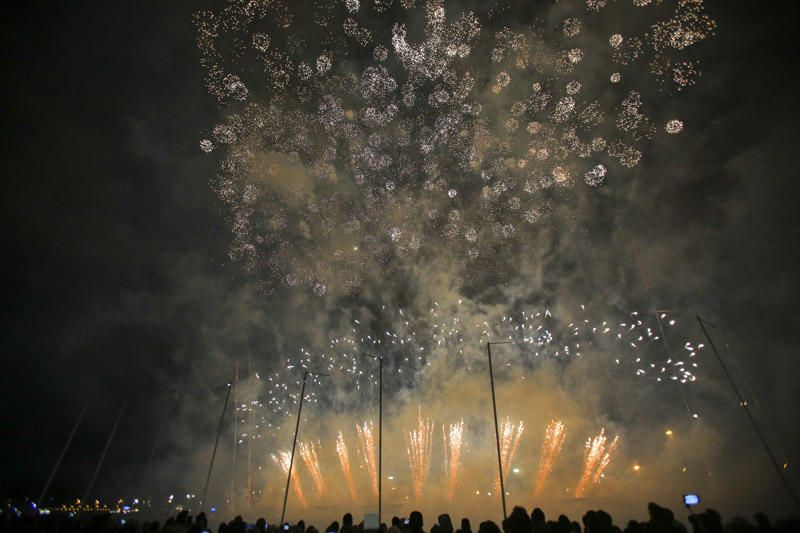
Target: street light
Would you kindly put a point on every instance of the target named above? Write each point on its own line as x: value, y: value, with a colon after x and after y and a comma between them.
x: 380, y: 432
x: 294, y: 443
x: 496, y: 426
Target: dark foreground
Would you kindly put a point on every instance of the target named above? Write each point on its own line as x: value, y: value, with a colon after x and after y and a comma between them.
x: 661, y: 520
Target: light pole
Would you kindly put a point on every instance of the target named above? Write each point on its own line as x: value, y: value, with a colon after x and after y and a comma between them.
x: 294, y: 443
x: 216, y: 443
x: 496, y: 426
x: 380, y: 432
x: 743, y: 404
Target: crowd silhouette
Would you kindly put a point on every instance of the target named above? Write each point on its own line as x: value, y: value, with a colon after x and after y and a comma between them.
x: 660, y: 520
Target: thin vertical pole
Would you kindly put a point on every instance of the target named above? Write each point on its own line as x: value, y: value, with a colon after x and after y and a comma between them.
x: 40, y: 501
x: 214, y: 451
x: 294, y: 445
x: 105, y: 450
x: 497, y: 432
x: 743, y: 403
x: 380, y: 438
x: 235, y: 429
x: 250, y: 435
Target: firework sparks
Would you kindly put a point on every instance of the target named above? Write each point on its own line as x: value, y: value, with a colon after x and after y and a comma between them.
x: 344, y: 460
x: 367, y: 440
x: 510, y: 437
x: 453, y: 439
x: 309, y: 455
x: 554, y: 436
x: 284, y: 461
x: 419, y: 443
x: 596, y: 457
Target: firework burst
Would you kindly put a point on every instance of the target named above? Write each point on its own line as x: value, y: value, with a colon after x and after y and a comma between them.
x: 344, y: 460
x: 309, y: 454
x: 366, y: 437
x: 553, y: 443
x: 419, y: 443
x: 510, y: 437
x: 596, y: 457
x: 453, y: 439
x: 284, y: 461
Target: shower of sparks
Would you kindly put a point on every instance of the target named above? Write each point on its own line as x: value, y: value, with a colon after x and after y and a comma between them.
x: 331, y: 164
x: 344, y: 460
x: 284, y: 461
x: 309, y: 455
x: 419, y: 443
x: 596, y: 457
x: 630, y: 343
x: 553, y: 443
x: 510, y: 438
x: 367, y: 447
x: 453, y: 439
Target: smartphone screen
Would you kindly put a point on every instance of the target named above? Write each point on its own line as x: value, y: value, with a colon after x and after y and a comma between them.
x: 691, y: 499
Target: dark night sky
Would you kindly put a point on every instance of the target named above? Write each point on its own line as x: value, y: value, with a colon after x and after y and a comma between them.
x: 115, y: 247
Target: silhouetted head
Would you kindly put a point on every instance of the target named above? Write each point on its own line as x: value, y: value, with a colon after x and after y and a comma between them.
x: 415, y: 521
x: 347, y: 519
x: 182, y: 517
x: 465, y: 525
x: 445, y: 523
x: 537, y: 515
x: 333, y: 527
x: 488, y: 527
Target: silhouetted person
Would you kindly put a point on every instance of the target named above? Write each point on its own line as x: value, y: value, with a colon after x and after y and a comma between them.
x: 333, y: 527
x: 445, y: 523
x: 488, y: 527
x: 518, y: 521
x: 466, y: 527
x: 415, y: 522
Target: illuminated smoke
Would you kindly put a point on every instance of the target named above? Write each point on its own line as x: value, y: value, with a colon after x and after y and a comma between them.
x: 596, y: 457
x: 553, y: 443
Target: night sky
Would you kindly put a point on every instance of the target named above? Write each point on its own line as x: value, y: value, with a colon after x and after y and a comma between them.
x: 119, y: 284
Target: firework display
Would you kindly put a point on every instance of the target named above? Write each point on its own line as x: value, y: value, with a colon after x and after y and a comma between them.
x: 419, y: 443
x: 554, y: 435
x: 596, y: 458
x: 453, y: 436
x: 510, y: 437
x: 309, y: 455
x: 366, y: 440
x: 283, y: 460
x: 459, y: 138
x: 344, y: 461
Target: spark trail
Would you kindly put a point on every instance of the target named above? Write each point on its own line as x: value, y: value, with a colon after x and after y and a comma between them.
x: 596, y: 458
x: 453, y: 439
x: 309, y: 454
x: 283, y: 460
x: 510, y: 437
x: 553, y: 443
x: 366, y: 437
x: 344, y: 460
x: 419, y: 443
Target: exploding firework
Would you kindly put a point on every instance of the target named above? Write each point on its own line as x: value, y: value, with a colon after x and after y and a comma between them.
x: 510, y: 437
x: 453, y: 439
x: 309, y: 455
x: 284, y: 461
x: 596, y: 457
x: 332, y: 165
x: 367, y: 441
x: 419, y: 443
x: 554, y: 436
x: 344, y: 460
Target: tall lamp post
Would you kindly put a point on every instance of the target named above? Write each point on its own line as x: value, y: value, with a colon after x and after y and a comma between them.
x: 380, y: 432
x: 294, y: 442
x: 743, y: 403
x: 216, y: 444
x: 496, y: 426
